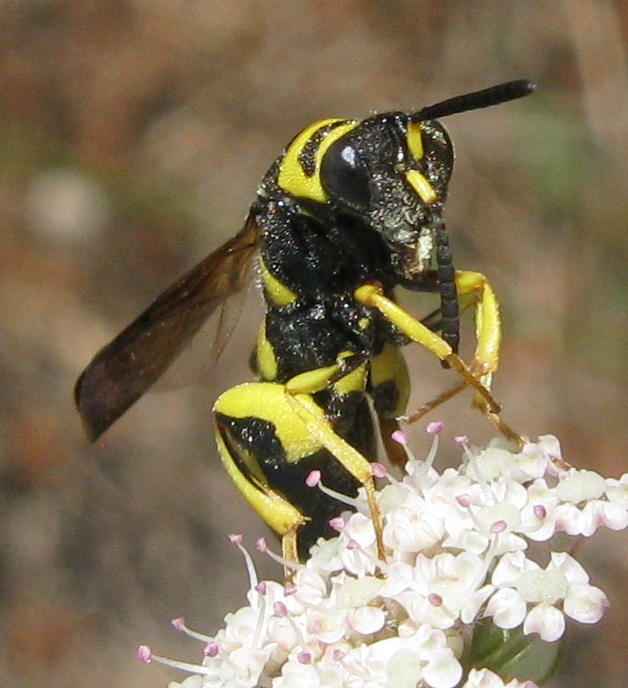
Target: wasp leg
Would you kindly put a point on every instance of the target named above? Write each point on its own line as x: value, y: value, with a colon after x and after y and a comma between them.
x: 435, y: 403
x: 358, y: 466
x: 475, y: 291
x: 270, y: 437
x: 245, y: 441
x: 298, y: 393
x: 488, y: 330
x: 494, y: 418
x: 372, y: 295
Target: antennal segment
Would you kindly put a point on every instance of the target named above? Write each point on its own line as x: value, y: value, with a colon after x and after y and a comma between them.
x: 502, y: 93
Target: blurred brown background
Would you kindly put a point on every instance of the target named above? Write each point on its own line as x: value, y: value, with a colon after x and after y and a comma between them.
x: 133, y: 134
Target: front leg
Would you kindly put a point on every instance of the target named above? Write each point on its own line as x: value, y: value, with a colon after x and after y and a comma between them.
x: 373, y: 296
x: 488, y: 329
x: 475, y: 292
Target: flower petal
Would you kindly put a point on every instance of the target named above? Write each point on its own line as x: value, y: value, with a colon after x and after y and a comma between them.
x: 545, y: 620
x: 585, y: 603
x: 507, y: 608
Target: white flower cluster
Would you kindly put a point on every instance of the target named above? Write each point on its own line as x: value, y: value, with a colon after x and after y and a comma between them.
x: 456, y: 554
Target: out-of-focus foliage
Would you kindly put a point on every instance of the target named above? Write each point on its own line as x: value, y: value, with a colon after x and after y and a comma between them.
x: 132, y: 136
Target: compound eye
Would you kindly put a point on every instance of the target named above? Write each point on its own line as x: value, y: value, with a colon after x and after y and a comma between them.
x: 345, y: 178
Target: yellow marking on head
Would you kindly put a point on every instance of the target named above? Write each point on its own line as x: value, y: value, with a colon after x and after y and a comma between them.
x: 276, y: 291
x: 414, y: 138
x: 421, y: 186
x: 292, y: 178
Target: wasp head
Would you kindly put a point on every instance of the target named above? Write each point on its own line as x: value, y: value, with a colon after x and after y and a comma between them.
x: 393, y: 174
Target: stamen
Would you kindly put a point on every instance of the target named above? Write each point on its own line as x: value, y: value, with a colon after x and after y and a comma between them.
x: 539, y: 511
x: 435, y: 599
x: 313, y: 480
x: 279, y: 609
x: 400, y: 437
x: 179, y: 625
x: 463, y: 441
x: 262, y: 546
x: 434, y: 428
x: 498, y: 527
x: 337, y: 523
x: 236, y: 539
x: 297, y: 631
x: 487, y: 561
x: 261, y: 614
x: 145, y: 654
x: 464, y: 500
x: 212, y: 649
x: 379, y: 470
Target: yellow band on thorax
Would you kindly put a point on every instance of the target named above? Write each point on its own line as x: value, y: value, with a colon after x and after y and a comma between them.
x: 276, y: 291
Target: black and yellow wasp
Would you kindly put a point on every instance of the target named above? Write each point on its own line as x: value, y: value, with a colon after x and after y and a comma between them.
x: 350, y: 211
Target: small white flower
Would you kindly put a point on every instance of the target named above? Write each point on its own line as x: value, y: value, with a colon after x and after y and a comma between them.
x: 542, y: 595
x: 534, y: 459
x: 423, y: 655
x: 457, y: 581
x: 297, y: 674
x: 414, y: 525
x: 356, y: 592
x: 581, y: 486
x: 588, y: 502
x: 404, y: 669
x: 538, y: 517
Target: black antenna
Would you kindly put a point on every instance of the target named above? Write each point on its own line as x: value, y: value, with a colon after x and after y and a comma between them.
x: 502, y: 93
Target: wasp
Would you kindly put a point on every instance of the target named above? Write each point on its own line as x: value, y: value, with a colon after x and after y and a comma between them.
x: 349, y: 212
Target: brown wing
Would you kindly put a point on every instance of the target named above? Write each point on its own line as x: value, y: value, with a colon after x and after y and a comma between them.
x: 124, y: 369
